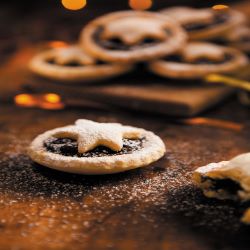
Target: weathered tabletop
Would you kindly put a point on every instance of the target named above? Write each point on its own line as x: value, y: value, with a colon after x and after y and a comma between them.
x: 156, y: 207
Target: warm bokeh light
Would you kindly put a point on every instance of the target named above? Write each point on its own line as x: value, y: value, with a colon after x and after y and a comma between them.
x: 140, y: 4
x: 24, y: 100
x: 57, y: 44
x: 51, y: 106
x: 220, y: 7
x: 229, y: 81
x: 52, y: 98
x: 45, y: 101
x: 74, y: 4
x: 211, y: 122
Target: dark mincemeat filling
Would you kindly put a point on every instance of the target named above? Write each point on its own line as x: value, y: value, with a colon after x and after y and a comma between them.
x: 220, y: 41
x: 68, y: 147
x: 179, y: 59
x: 232, y: 187
x: 218, y: 19
x: 117, y: 44
x: 75, y: 63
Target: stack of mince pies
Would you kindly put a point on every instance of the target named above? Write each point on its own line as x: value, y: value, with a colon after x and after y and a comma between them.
x: 180, y: 43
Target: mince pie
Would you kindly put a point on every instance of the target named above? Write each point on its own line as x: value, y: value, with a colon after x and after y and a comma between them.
x: 72, y: 64
x: 197, y: 59
x: 89, y: 147
x: 131, y: 36
x: 226, y: 180
x: 202, y: 24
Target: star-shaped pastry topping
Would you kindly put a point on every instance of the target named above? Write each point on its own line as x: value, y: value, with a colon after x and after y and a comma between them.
x: 194, y: 51
x: 90, y: 135
x: 132, y: 30
x: 186, y: 15
x: 72, y: 54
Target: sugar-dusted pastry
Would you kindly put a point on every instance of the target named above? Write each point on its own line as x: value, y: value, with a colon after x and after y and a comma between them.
x: 131, y: 36
x: 72, y: 64
x: 197, y: 59
x: 203, y: 24
x: 88, y: 147
x: 226, y: 180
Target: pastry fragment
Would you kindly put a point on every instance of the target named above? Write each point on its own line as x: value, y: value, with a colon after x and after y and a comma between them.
x: 198, y: 59
x: 203, y: 24
x: 131, y: 36
x: 226, y: 180
x: 72, y: 64
x: 89, y: 147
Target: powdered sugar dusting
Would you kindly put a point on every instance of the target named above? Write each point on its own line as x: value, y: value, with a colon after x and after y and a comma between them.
x: 156, y: 207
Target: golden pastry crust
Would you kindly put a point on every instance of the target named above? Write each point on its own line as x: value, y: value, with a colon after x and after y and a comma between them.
x: 132, y: 28
x: 206, y: 20
x: 87, y: 70
x: 152, y: 149
x: 188, y: 66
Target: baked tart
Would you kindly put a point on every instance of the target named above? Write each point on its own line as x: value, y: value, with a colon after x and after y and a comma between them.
x: 73, y: 64
x: 198, y: 59
x: 132, y: 36
x: 88, y: 147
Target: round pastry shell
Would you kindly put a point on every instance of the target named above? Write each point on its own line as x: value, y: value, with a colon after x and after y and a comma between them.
x: 40, y: 66
x: 171, y: 45
x: 179, y: 70
x: 153, y: 149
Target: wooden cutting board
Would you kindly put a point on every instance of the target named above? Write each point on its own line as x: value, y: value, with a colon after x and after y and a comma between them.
x: 161, y: 98
x: 138, y: 90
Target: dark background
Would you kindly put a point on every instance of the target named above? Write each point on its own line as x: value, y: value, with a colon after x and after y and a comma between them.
x: 34, y: 21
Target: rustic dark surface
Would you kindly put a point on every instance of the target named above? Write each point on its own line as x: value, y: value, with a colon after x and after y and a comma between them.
x: 156, y: 207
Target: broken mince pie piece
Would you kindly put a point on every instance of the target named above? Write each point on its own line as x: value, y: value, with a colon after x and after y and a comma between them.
x: 226, y: 180
x: 197, y: 59
x: 202, y: 24
x: 72, y: 64
x: 131, y: 36
x: 96, y: 148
